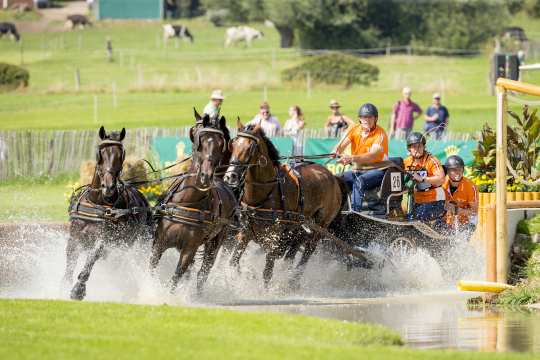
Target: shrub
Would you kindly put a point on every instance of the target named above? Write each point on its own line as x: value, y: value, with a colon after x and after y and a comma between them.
x: 334, y: 69
x: 12, y: 76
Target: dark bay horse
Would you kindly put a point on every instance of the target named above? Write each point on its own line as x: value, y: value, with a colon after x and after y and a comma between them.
x: 198, y: 206
x: 276, y: 203
x: 106, y: 212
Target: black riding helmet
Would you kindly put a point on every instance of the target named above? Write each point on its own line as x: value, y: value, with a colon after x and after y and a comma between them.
x: 368, y: 109
x: 454, y: 162
x: 415, y: 138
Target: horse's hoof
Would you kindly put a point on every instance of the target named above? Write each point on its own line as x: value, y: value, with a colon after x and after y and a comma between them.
x: 78, y: 292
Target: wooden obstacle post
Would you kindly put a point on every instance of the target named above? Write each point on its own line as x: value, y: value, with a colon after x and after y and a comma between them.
x: 490, y: 239
x: 501, y: 230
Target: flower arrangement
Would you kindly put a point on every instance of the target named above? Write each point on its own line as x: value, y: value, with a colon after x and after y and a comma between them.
x: 152, y: 192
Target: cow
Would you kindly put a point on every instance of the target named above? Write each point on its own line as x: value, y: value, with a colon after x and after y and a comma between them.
x: 236, y: 34
x: 179, y: 31
x: 76, y: 20
x: 7, y: 28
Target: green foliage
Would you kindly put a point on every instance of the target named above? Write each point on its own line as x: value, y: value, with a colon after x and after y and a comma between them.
x: 484, y: 161
x: 532, y: 8
x: 460, y: 24
x: 334, y: 69
x: 524, y: 144
x: 12, y: 76
x: 522, y: 294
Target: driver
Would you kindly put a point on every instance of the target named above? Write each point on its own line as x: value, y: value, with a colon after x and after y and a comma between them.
x: 369, y: 144
x: 463, y: 196
x: 428, y: 175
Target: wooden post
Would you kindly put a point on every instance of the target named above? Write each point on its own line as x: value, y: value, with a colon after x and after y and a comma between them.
x: 501, y: 231
x: 77, y: 79
x: 95, y: 109
x: 490, y: 239
x: 21, y: 48
x: 308, y: 84
x: 114, y: 100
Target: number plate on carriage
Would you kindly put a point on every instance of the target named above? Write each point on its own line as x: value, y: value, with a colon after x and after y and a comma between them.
x: 395, y: 180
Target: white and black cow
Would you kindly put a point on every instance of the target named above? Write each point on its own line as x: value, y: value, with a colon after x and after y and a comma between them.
x: 76, y: 20
x: 179, y: 31
x: 237, y: 34
x: 7, y: 28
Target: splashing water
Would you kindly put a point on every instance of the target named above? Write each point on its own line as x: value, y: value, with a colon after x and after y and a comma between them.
x: 32, y: 264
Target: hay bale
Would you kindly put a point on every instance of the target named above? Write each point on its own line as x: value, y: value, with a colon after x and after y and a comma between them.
x: 134, y: 169
x: 86, y: 172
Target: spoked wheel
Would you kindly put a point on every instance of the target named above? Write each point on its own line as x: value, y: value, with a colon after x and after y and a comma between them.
x: 402, y: 245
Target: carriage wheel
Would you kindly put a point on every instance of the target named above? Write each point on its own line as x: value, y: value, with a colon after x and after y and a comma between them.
x: 402, y: 244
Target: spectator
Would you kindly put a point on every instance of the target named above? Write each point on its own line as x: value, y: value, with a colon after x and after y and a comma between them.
x: 436, y: 118
x: 268, y: 122
x: 171, y: 9
x: 336, y: 122
x: 213, y: 108
x: 403, y: 116
x: 293, y: 128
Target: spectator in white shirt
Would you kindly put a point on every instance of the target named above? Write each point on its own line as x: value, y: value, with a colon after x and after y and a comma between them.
x: 268, y: 122
x: 213, y: 108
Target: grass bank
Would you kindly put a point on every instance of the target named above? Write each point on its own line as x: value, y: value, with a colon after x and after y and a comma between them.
x: 35, y: 199
x: 153, y: 84
x: 69, y: 330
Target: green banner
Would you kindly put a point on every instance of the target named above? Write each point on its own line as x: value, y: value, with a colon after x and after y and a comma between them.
x: 171, y: 148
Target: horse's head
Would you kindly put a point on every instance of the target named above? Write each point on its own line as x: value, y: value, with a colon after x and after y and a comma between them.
x: 250, y: 148
x: 110, y: 156
x: 210, y: 138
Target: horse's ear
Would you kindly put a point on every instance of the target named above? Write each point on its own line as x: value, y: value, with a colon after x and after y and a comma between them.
x: 102, y: 133
x: 239, y: 124
x: 206, y: 120
x: 222, y: 122
x: 257, y: 128
x: 197, y: 116
x: 122, y: 134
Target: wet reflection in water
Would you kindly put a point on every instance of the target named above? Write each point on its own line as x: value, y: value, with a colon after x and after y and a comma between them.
x: 429, y: 321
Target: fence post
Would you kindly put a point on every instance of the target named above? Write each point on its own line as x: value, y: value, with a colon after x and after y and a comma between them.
x: 140, y: 75
x: 21, y: 49
x: 114, y: 100
x: 308, y: 84
x: 77, y: 79
x: 95, y: 109
x: 265, y: 94
x: 388, y: 50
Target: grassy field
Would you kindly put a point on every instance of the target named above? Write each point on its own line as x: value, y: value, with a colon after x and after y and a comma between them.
x: 158, y: 86
x: 38, y: 199
x: 68, y: 330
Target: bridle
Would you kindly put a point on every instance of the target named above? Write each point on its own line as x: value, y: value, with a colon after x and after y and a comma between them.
x: 253, y: 149
x: 114, y: 172
x: 197, y: 156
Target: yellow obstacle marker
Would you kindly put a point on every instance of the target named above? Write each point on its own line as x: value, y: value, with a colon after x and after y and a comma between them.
x: 482, y: 286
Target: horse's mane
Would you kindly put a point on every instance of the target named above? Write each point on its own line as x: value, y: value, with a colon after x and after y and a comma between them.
x: 273, y: 153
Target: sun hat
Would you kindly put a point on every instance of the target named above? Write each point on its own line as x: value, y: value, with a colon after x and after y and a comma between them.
x: 217, y: 94
x: 334, y: 103
x: 406, y: 90
x: 436, y: 96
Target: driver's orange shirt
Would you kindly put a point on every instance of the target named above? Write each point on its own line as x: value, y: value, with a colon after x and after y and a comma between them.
x: 362, y: 143
x: 465, y: 197
x: 431, y: 166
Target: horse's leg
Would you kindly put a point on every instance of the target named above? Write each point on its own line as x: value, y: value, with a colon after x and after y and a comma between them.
x: 309, y: 248
x: 211, y: 249
x: 186, y: 258
x: 157, y: 250
x: 242, y: 241
x: 79, y: 290
x: 269, y: 267
x: 72, y: 255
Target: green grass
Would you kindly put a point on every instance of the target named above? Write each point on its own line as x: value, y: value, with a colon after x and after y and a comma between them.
x: 70, y: 330
x: 36, y: 199
x: 158, y: 86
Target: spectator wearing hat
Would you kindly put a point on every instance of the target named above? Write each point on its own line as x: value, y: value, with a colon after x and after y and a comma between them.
x: 268, y: 122
x: 336, y: 121
x: 213, y: 108
x: 436, y: 118
x: 403, y: 116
